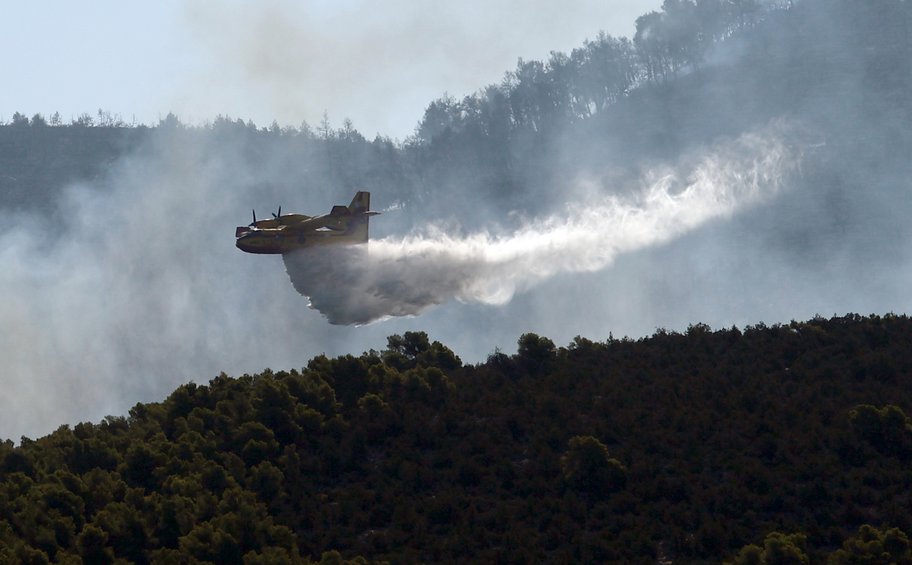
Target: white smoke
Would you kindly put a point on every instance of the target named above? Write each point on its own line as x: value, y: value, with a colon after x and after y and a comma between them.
x: 404, y: 276
x: 134, y: 287
x: 137, y: 287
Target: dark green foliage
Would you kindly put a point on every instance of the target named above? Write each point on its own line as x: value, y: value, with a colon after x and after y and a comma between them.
x: 887, y: 429
x: 414, y: 348
x: 93, y: 546
x: 687, y: 447
x: 872, y: 546
x: 586, y: 467
x: 15, y: 461
x: 536, y: 354
x: 778, y: 549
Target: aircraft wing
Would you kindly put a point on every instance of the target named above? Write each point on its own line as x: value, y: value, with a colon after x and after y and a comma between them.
x: 319, y: 223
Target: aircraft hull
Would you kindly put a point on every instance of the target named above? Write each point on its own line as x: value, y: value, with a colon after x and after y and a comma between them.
x: 276, y: 244
x: 344, y: 225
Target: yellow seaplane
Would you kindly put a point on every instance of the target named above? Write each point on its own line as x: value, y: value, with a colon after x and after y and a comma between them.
x: 344, y: 225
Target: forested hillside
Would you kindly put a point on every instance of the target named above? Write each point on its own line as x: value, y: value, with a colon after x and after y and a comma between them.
x: 771, y: 443
x: 692, y: 447
x: 694, y: 71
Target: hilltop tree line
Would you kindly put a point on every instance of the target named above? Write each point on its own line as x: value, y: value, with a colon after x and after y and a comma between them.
x: 577, y: 85
x: 540, y: 95
x: 545, y: 95
x: 589, y: 79
x: 609, y: 103
x: 772, y: 444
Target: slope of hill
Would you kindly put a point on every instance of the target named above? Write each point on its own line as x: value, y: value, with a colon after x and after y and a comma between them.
x: 677, y: 447
x: 684, y: 447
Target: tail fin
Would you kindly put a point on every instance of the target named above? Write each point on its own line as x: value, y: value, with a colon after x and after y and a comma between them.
x: 360, y: 203
x: 360, y: 209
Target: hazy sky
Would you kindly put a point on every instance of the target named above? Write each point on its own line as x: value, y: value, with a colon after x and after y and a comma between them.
x: 377, y: 63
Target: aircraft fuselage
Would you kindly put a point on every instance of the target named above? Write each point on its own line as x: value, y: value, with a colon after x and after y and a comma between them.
x: 344, y: 225
x: 277, y: 240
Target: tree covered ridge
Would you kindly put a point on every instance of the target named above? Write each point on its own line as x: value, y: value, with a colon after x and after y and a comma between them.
x: 702, y: 446
x: 588, y: 79
x: 611, y: 100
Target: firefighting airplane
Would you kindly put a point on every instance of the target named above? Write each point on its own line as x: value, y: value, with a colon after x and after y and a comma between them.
x: 344, y: 225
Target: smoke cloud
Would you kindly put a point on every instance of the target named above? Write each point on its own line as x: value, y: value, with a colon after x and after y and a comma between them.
x: 403, y: 276
x: 638, y: 220
x: 136, y: 286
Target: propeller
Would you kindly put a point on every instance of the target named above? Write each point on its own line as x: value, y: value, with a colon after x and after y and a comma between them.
x: 277, y: 216
x: 253, y: 223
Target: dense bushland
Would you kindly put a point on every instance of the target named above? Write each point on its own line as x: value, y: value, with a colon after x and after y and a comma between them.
x: 700, y: 446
